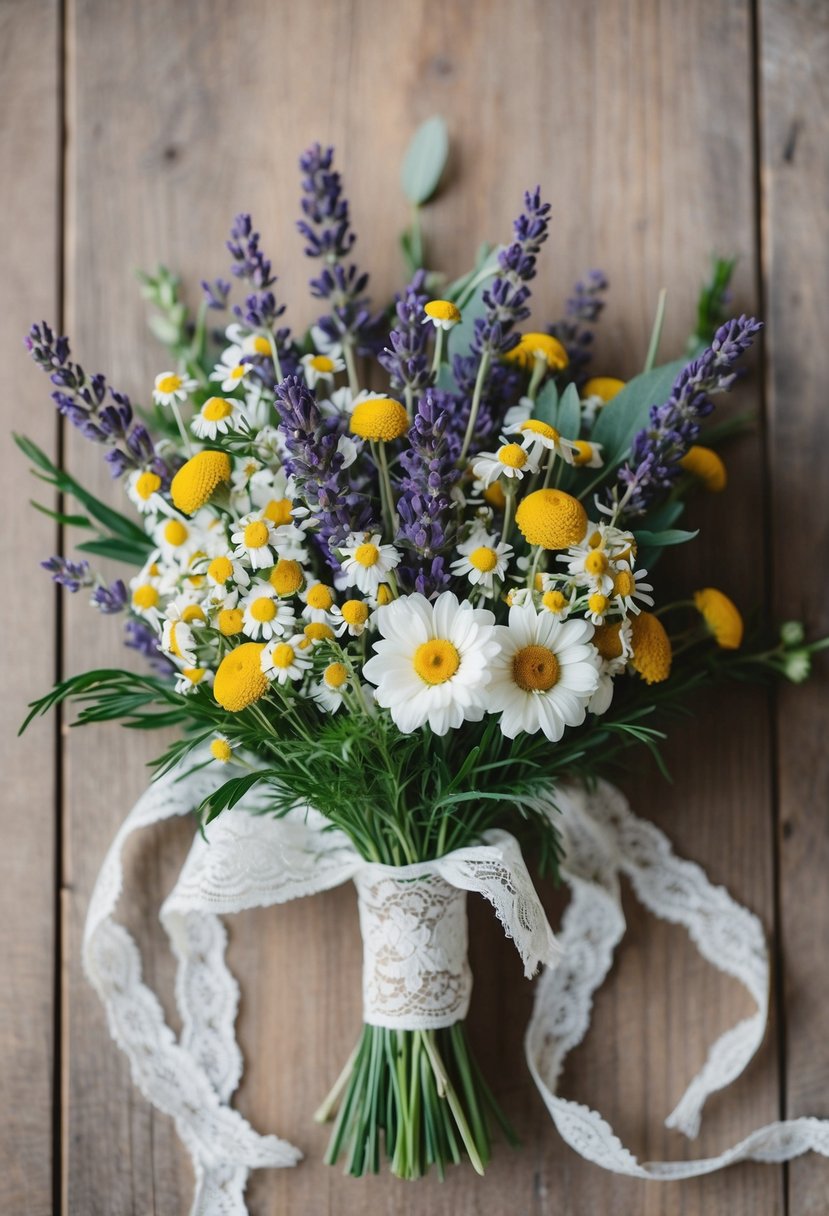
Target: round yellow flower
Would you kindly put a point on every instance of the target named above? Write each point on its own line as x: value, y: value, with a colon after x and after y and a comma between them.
x: 538, y: 346
x: 721, y: 616
x: 552, y: 519
x: 604, y: 387
x: 286, y: 577
x: 240, y: 680
x: 379, y: 418
x: 195, y: 481
x: 652, y: 652
x: 608, y: 640
x: 706, y: 466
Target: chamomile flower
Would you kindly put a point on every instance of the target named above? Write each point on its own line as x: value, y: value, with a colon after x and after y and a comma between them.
x: 221, y: 748
x: 539, y: 438
x: 177, y: 539
x: 598, y: 606
x: 628, y: 588
x: 170, y: 387
x: 178, y: 641
x: 322, y: 368
x: 541, y: 347
x: 365, y: 562
x: 351, y: 617
x: 596, y: 394
x: 285, y: 659
x: 483, y: 558
x: 544, y: 675
x: 231, y: 371
x: 443, y: 314
x: 216, y: 417
x: 557, y: 598
x: 146, y: 595
x: 518, y: 413
x: 256, y: 344
x: 255, y: 539
x: 142, y: 489
x: 511, y: 460
x: 319, y: 600
x: 587, y: 455
x: 329, y: 693
x: 433, y: 661
x: 264, y: 615
x: 191, y: 677
x: 224, y: 569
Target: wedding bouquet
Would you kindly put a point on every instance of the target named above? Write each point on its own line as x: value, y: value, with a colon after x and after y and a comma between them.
x: 398, y: 570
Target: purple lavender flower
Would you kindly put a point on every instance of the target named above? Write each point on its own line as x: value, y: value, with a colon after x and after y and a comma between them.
x: 82, y: 400
x: 329, y: 236
x: 405, y: 358
x: 139, y: 636
x: 111, y: 599
x: 316, y: 464
x: 425, y: 506
x: 583, y: 309
x: 657, y: 449
x: 261, y: 309
x: 215, y: 293
x: 69, y: 574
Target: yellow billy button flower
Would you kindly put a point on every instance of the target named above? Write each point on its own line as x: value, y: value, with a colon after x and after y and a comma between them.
x: 240, y: 680
x: 608, y: 640
x: 146, y: 485
x: 442, y: 313
x: 721, y: 617
x: 538, y: 346
x: 652, y: 652
x: 551, y: 519
x: 436, y: 661
x: 706, y: 466
x: 230, y: 621
x: 603, y: 387
x: 286, y: 577
x: 380, y: 419
x: 194, y: 483
x: 220, y: 749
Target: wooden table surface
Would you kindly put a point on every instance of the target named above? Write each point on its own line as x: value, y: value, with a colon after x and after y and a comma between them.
x: 131, y: 133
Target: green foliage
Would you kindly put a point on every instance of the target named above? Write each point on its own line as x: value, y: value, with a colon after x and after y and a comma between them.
x: 425, y: 161
x: 627, y: 413
x: 711, y: 305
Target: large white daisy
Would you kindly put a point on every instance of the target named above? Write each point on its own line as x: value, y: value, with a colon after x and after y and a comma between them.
x: 433, y: 661
x: 545, y: 674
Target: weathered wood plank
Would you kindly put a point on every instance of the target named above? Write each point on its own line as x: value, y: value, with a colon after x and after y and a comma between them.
x: 609, y: 110
x: 794, y: 43
x: 29, y: 204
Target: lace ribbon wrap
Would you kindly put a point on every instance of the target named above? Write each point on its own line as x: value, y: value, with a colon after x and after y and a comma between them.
x: 416, y: 974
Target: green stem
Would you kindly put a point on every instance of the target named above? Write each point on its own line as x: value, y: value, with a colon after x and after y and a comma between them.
x: 477, y: 393
x: 275, y: 356
x: 439, y: 340
x: 350, y: 364
x: 539, y: 368
x: 656, y: 332
x: 446, y: 1089
x: 378, y: 451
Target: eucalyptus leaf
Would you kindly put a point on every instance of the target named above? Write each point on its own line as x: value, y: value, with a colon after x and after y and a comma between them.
x: 546, y: 404
x: 659, y: 540
x: 628, y: 412
x: 663, y: 516
x: 425, y: 160
x: 569, y: 413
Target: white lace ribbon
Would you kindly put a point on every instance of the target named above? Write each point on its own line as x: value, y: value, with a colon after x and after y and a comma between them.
x: 415, y: 973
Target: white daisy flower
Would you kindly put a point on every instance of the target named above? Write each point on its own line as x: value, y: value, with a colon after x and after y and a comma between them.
x: 483, y: 558
x: 231, y: 371
x: 433, y: 661
x: 321, y: 369
x: 323, y: 343
x: 178, y: 640
x: 365, y: 562
x: 628, y: 588
x: 328, y: 694
x: 598, y: 606
x: 510, y: 460
x: 599, y: 703
x: 142, y: 490
x: 178, y: 539
x: 224, y: 569
x: 216, y: 417
x: 538, y: 438
x: 269, y: 446
x: 250, y: 343
x: 545, y: 674
x: 170, y: 387
x: 519, y: 413
x: 191, y: 677
x: 557, y: 598
x: 319, y: 600
x: 588, y: 455
x: 283, y: 659
x: 146, y: 594
x: 351, y: 617
x: 265, y: 615
x: 255, y: 539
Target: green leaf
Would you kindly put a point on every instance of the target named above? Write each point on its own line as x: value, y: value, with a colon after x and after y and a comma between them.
x: 659, y: 540
x: 117, y: 549
x: 425, y: 160
x: 569, y: 413
x: 663, y: 516
x: 70, y: 521
x: 546, y: 404
x: 627, y: 413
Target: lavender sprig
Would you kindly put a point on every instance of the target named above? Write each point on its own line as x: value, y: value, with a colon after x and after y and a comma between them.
x: 425, y: 502
x: 674, y: 426
x: 82, y: 399
x: 111, y: 598
x: 316, y: 464
x: 506, y: 299
x: 71, y: 575
x: 140, y: 637
x: 405, y: 358
x: 261, y: 309
x: 582, y: 311
x: 329, y: 236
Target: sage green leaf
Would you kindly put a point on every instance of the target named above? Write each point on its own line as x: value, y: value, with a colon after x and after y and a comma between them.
x: 627, y: 413
x: 569, y: 413
x: 425, y: 160
x: 546, y: 404
x: 659, y: 540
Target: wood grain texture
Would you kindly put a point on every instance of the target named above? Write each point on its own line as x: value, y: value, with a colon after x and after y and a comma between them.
x: 29, y: 205
x: 794, y: 63
x: 636, y: 116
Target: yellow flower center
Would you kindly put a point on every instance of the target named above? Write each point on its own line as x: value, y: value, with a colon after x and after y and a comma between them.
x: 192, y: 612
x: 594, y: 540
x: 539, y: 346
x: 583, y: 453
x: 553, y: 601
x: 145, y: 596
x: 608, y: 640
x: 379, y: 418
x: 597, y: 603
x: 169, y: 383
x: 261, y: 345
x: 604, y: 387
x: 512, y: 455
x: 286, y: 577
x: 322, y: 364
x: 175, y: 533
x: 436, y: 661
x: 484, y: 559
x: 220, y: 570
x: 256, y: 534
x: 442, y: 310
x: 194, y: 674
x: 552, y: 519
x: 355, y: 612
x: 240, y: 680
x: 596, y: 562
x: 263, y: 609
x: 335, y: 675
x: 282, y: 656
x: 237, y: 372
x: 146, y: 485
x: 535, y: 668
x: 367, y: 555
x: 384, y: 595
x: 196, y: 480
x: 216, y: 408
x: 651, y: 648
x: 317, y: 631
x: 624, y: 583
x: 319, y: 597
x: 721, y: 616
x: 230, y: 621
x: 278, y: 511
x: 541, y: 428
x: 221, y: 750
